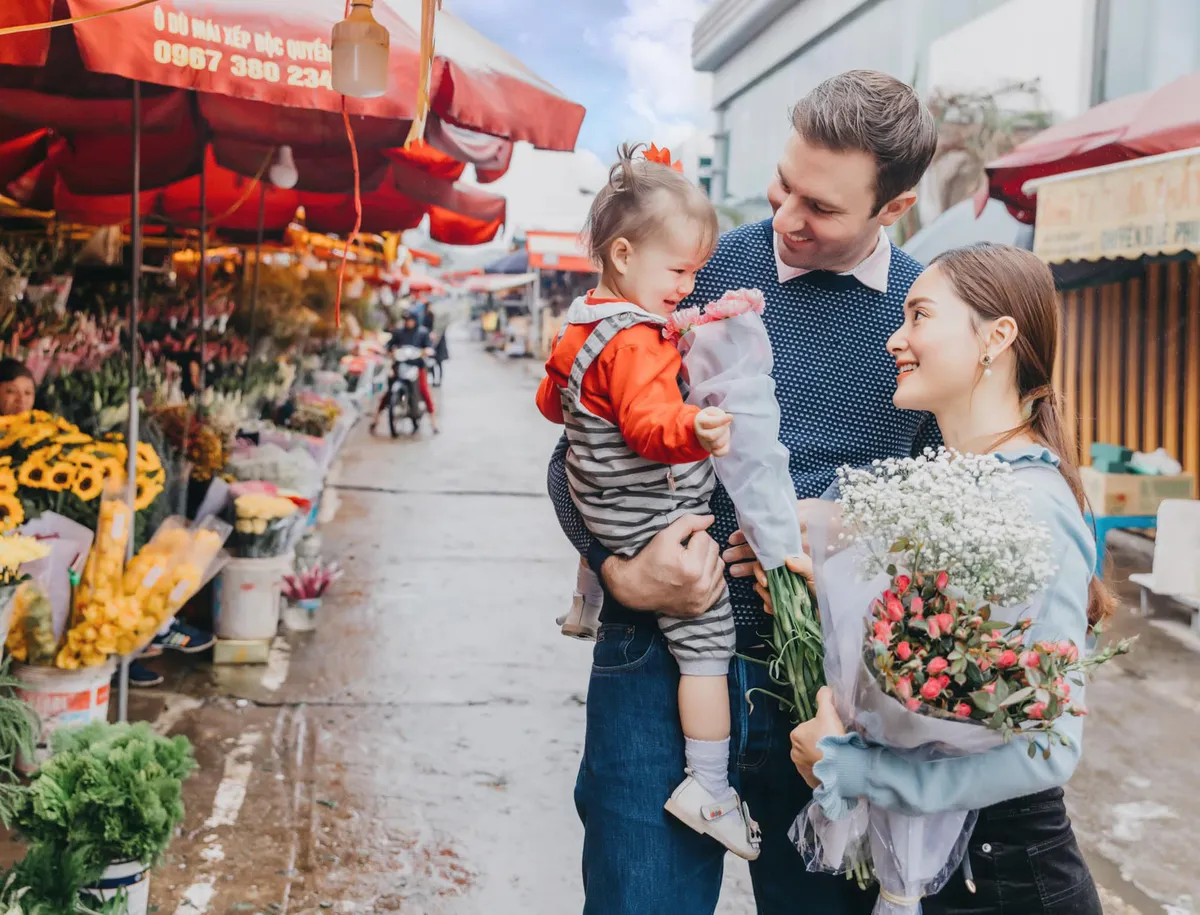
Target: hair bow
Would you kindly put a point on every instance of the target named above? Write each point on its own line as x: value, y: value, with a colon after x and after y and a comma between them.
x: 662, y: 157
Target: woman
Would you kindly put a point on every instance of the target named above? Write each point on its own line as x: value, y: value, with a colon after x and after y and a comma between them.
x: 17, y: 389
x: 977, y: 349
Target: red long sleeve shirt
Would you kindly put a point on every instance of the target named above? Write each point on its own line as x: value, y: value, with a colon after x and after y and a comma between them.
x: 633, y: 384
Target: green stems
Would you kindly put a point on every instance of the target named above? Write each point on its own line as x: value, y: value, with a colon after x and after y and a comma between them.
x: 798, y: 657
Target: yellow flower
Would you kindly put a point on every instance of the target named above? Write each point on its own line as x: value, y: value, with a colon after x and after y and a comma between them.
x: 147, y: 458
x: 72, y: 438
x: 147, y: 492
x: 62, y: 476
x: 12, y: 512
x: 34, y: 473
x: 8, y: 480
x: 111, y: 449
x: 38, y: 433
x: 88, y: 483
x: 111, y: 469
x: 83, y: 460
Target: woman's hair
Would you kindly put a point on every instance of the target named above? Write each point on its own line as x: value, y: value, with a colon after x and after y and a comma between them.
x: 639, y: 198
x: 999, y: 281
x: 12, y: 369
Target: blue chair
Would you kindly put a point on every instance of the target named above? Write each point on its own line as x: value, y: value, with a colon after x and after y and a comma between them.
x: 1102, y: 524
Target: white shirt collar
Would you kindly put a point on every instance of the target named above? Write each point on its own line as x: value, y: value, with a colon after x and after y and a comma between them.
x: 872, y: 272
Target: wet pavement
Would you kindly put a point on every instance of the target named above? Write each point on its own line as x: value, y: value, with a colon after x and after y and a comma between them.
x: 417, y: 752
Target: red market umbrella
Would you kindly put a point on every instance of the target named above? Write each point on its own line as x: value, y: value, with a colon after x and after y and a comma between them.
x: 1144, y: 124
x: 278, y: 53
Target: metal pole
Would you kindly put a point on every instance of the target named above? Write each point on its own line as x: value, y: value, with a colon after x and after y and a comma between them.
x: 203, y: 282
x: 262, y: 215
x: 135, y: 243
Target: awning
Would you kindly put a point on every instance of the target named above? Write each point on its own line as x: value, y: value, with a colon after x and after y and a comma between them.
x: 498, y: 282
x: 557, y: 251
x: 1128, y: 210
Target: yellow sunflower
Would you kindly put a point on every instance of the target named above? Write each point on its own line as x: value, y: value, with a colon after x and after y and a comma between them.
x: 65, y: 425
x: 12, y: 435
x: 12, y: 512
x: 147, y: 492
x: 111, y: 468
x: 111, y: 449
x: 62, y: 475
x: 38, y: 433
x: 89, y: 481
x: 8, y: 480
x: 147, y: 458
x: 82, y: 459
x: 72, y: 438
x: 41, y: 416
x: 34, y: 473
x: 46, y: 455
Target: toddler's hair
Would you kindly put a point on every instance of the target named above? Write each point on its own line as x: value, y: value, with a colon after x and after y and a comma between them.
x: 638, y: 200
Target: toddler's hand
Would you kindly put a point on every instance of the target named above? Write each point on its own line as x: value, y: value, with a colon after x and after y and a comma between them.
x: 712, y: 428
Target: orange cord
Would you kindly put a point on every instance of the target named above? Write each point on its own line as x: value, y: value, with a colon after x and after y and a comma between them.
x: 337, y: 305
x: 59, y: 23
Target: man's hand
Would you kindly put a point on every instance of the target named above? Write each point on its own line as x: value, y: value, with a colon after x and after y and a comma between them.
x: 805, y: 737
x: 679, y: 573
x: 744, y: 564
x: 712, y: 428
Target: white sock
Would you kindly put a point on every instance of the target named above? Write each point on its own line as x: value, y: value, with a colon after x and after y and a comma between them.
x: 709, y: 762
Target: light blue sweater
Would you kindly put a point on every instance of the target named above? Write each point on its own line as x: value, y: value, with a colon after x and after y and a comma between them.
x: 851, y: 769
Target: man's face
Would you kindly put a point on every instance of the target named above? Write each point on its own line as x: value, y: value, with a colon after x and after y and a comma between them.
x: 16, y: 396
x: 824, y: 203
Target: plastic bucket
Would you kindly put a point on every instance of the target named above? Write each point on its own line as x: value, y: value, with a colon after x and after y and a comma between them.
x: 133, y: 878
x: 63, y: 699
x: 246, y: 598
x: 301, y: 616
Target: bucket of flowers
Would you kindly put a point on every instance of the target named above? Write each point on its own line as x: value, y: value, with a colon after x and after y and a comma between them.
x: 305, y: 591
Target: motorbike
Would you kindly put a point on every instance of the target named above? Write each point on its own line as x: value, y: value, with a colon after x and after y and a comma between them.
x: 404, y: 393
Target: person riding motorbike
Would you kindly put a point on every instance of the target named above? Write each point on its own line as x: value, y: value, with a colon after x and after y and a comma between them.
x: 412, y: 334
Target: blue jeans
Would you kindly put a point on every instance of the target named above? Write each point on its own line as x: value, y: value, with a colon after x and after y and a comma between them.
x: 639, y: 860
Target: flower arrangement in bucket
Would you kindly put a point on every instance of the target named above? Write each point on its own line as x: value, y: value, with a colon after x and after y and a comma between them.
x: 914, y: 565
x: 305, y: 590
x: 263, y: 523
x: 15, y: 551
x: 727, y: 363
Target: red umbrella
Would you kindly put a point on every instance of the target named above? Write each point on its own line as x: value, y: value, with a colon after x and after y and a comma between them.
x: 1144, y: 124
x: 278, y: 53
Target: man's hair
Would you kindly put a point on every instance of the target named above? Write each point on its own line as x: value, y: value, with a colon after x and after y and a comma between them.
x: 12, y: 369
x: 870, y: 111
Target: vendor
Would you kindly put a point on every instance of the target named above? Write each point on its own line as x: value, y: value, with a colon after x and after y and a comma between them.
x: 16, y: 387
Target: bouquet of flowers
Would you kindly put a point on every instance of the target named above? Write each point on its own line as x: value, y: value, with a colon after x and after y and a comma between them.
x: 311, y: 583
x: 727, y: 363
x: 262, y: 525
x: 909, y: 580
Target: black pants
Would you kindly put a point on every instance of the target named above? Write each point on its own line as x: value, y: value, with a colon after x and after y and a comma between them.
x: 1025, y: 861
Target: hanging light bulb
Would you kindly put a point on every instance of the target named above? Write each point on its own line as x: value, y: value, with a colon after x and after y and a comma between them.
x: 360, y: 53
x: 284, y: 173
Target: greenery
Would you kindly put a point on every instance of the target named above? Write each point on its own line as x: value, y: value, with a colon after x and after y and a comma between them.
x: 48, y: 881
x: 19, y: 727
x: 108, y: 793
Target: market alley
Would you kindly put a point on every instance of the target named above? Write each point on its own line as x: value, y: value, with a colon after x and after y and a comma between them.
x: 417, y: 753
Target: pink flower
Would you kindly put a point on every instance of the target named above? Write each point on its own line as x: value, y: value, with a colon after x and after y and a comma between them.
x: 904, y: 687
x: 1064, y: 688
x: 990, y: 688
x: 895, y: 609
x: 1036, y: 711
x: 1068, y: 650
x: 917, y: 606
x: 1030, y: 659
x: 877, y: 609
x: 962, y: 710
x: 1078, y: 710
x: 1008, y: 658
x: 984, y: 665
x: 904, y: 650
x: 912, y: 704
x: 945, y: 621
x: 883, y: 631
x: 902, y: 583
x: 935, y: 630
x: 941, y: 581
x: 937, y: 665
x: 931, y: 689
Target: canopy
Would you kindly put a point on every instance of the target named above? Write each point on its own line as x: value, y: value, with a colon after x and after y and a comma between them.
x: 1144, y: 124
x: 498, y: 282
x: 277, y: 53
x: 513, y: 262
x: 959, y: 226
x: 558, y: 251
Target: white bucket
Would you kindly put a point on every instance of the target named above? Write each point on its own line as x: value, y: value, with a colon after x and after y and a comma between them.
x: 246, y: 598
x: 131, y: 876
x: 63, y: 698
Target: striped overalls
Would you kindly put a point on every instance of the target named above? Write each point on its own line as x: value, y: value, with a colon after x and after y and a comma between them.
x: 626, y: 499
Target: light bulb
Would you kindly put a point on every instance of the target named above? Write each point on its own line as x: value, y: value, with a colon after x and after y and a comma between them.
x: 283, y: 173
x: 360, y: 53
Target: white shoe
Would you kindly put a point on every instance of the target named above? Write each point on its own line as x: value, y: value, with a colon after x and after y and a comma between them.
x: 583, y: 622
x: 726, y: 821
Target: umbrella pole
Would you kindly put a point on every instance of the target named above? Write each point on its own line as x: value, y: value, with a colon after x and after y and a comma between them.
x: 203, y: 284
x: 262, y: 215
x: 135, y: 241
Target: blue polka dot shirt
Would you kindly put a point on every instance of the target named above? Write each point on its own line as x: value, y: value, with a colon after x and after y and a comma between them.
x: 834, y: 381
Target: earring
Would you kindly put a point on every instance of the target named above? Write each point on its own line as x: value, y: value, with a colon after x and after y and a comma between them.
x: 987, y: 364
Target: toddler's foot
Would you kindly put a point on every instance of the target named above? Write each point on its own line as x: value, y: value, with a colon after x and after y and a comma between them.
x: 728, y: 821
x: 583, y: 621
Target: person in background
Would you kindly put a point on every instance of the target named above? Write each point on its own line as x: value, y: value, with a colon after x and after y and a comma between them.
x: 411, y: 333
x: 441, y: 353
x: 17, y: 389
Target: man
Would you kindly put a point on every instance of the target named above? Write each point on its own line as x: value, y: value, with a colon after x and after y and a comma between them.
x: 411, y: 333
x: 835, y: 288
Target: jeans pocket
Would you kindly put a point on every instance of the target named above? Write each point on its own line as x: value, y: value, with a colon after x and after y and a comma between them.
x: 621, y: 647
x: 1062, y: 873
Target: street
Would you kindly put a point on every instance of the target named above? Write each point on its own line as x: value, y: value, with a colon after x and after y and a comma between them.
x: 417, y: 752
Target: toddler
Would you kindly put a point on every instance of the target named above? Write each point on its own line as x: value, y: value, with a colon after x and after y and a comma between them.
x: 638, y: 456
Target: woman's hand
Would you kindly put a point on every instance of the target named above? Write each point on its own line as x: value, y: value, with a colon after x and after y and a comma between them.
x: 805, y: 737
x: 743, y: 564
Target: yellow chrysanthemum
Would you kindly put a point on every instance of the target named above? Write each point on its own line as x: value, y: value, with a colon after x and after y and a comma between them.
x: 34, y: 473
x: 61, y: 476
x: 147, y: 492
x: 12, y: 512
x: 8, y: 480
x: 89, y: 483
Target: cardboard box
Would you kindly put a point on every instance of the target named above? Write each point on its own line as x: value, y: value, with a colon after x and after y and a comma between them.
x: 237, y: 651
x: 1132, y: 493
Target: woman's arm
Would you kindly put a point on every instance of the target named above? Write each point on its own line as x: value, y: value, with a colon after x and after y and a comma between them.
x: 849, y: 769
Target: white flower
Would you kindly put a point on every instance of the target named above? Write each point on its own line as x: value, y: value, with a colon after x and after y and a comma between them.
x: 962, y: 514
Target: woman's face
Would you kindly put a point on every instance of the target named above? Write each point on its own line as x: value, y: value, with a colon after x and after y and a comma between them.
x: 938, y: 349
x: 16, y: 396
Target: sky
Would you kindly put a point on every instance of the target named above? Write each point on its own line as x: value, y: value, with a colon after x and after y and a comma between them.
x: 628, y: 62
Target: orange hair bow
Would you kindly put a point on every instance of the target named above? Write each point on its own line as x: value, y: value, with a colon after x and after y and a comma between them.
x: 662, y: 157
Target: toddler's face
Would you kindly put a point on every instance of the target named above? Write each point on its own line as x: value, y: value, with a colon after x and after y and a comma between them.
x: 16, y: 396
x: 661, y: 271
